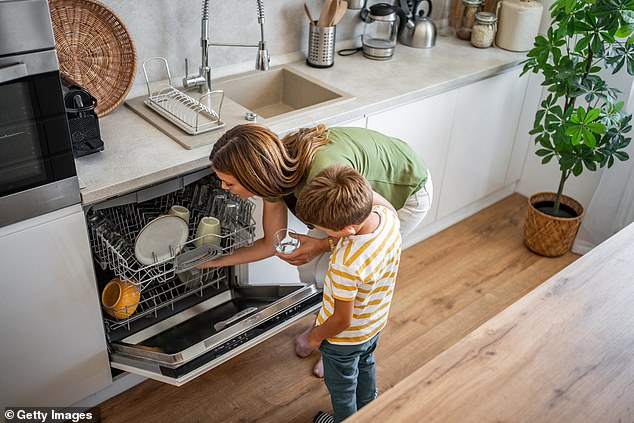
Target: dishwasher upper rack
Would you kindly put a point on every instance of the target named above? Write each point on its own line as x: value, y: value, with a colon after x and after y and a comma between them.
x: 181, y: 109
x: 114, y: 230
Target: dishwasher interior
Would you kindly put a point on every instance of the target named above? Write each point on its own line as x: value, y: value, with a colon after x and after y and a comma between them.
x: 185, y: 321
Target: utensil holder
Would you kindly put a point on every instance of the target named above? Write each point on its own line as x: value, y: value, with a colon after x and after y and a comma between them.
x: 321, y: 46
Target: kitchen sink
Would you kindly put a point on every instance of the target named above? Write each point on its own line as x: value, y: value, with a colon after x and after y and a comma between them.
x: 277, y: 92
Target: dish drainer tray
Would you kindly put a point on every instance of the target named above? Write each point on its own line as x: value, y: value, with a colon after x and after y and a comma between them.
x: 192, y: 115
x: 113, y: 232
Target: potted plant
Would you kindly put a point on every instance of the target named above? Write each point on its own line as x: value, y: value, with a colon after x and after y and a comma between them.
x: 580, y: 123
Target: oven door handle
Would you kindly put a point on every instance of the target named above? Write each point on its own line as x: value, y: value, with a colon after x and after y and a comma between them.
x: 13, y: 72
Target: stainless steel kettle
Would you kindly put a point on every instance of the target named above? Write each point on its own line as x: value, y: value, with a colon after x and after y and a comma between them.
x: 420, y: 30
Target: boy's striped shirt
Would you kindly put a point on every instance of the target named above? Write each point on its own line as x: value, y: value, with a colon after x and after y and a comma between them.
x: 363, y: 269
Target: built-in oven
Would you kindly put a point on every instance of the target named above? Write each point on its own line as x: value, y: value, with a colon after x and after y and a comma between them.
x: 37, y: 170
x: 48, y: 296
x: 186, y: 321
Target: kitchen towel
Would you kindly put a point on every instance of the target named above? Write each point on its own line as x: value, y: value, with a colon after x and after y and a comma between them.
x: 518, y: 24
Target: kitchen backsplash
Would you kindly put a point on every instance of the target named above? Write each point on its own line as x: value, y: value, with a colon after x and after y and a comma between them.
x: 171, y: 29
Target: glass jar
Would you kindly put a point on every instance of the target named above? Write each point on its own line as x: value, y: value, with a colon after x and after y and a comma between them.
x: 469, y: 10
x: 483, y: 31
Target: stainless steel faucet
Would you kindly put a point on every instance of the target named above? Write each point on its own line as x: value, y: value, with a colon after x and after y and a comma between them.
x: 203, y: 79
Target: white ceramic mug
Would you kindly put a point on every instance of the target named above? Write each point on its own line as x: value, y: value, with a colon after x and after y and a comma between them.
x: 208, y: 232
x: 180, y: 211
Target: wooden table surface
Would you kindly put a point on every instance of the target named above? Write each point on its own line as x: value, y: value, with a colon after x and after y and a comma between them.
x: 562, y: 353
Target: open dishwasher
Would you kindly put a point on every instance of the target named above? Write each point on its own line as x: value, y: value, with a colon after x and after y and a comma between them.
x: 186, y: 321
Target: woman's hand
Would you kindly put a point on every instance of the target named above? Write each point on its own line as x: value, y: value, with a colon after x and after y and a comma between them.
x: 309, y: 248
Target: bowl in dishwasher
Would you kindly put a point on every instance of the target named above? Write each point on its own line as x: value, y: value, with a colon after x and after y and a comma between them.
x: 120, y: 298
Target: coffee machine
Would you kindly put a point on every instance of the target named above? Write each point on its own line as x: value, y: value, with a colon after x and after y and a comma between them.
x: 82, y: 120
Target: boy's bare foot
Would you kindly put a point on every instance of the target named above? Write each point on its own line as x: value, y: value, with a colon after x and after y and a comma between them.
x: 302, y: 348
x: 318, y: 370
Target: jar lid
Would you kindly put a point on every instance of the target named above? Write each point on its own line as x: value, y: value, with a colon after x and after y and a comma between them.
x: 486, y: 17
x: 472, y: 2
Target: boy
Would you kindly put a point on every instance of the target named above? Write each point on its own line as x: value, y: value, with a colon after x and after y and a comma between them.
x: 358, y: 287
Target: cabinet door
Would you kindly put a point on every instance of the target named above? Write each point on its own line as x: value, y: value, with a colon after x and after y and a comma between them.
x: 53, y: 346
x: 426, y: 127
x: 485, y: 123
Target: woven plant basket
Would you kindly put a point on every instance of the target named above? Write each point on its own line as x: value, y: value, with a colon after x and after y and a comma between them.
x: 547, y: 235
x: 95, y: 50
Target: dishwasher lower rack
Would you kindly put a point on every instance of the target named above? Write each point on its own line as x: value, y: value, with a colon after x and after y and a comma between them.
x: 113, y: 232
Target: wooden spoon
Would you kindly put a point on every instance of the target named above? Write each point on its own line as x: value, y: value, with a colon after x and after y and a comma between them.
x: 332, y: 11
x: 310, y: 16
x: 342, y: 7
x: 324, y: 15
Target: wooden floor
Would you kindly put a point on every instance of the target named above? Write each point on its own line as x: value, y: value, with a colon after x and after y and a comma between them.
x: 447, y: 286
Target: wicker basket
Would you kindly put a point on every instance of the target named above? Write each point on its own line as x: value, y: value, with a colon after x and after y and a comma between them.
x: 548, y: 235
x: 94, y: 49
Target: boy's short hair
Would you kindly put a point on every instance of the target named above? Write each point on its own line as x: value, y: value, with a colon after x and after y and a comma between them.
x: 336, y: 197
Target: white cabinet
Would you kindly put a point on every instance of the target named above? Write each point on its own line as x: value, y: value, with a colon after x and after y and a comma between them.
x: 466, y: 138
x: 53, y: 350
x: 485, y: 122
x: 426, y: 126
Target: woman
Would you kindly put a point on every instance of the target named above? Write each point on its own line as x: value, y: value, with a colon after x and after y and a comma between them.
x: 251, y: 160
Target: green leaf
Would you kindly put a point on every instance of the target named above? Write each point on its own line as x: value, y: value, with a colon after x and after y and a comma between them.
x: 543, y: 152
x: 593, y: 114
x: 536, y: 130
x: 597, y: 128
x: 622, y: 155
x: 547, y: 159
x: 628, y: 15
x: 545, y: 142
x: 588, y: 138
x: 624, y: 31
x: 582, y: 44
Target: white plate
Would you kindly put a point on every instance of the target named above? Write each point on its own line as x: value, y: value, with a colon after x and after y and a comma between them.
x: 158, y: 236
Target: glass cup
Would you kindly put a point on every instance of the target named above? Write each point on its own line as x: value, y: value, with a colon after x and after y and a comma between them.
x: 285, y: 241
x: 180, y: 211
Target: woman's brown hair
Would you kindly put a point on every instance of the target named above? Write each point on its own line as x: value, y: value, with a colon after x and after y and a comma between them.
x: 264, y: 164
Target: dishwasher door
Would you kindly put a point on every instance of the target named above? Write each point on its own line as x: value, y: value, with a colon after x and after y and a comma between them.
x: 187, y: 344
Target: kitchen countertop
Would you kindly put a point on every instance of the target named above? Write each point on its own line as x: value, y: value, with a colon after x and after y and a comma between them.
x: 562, y: 353
x: 137, y: 154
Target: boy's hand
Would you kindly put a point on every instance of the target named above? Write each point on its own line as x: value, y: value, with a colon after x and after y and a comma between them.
x: 303, y: 346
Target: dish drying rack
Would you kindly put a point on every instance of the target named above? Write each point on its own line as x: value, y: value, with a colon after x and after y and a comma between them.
x: 181, y: 109
x: 113, y: 232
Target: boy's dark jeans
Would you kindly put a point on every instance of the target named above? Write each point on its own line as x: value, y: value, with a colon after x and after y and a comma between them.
x: 350, y: 375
